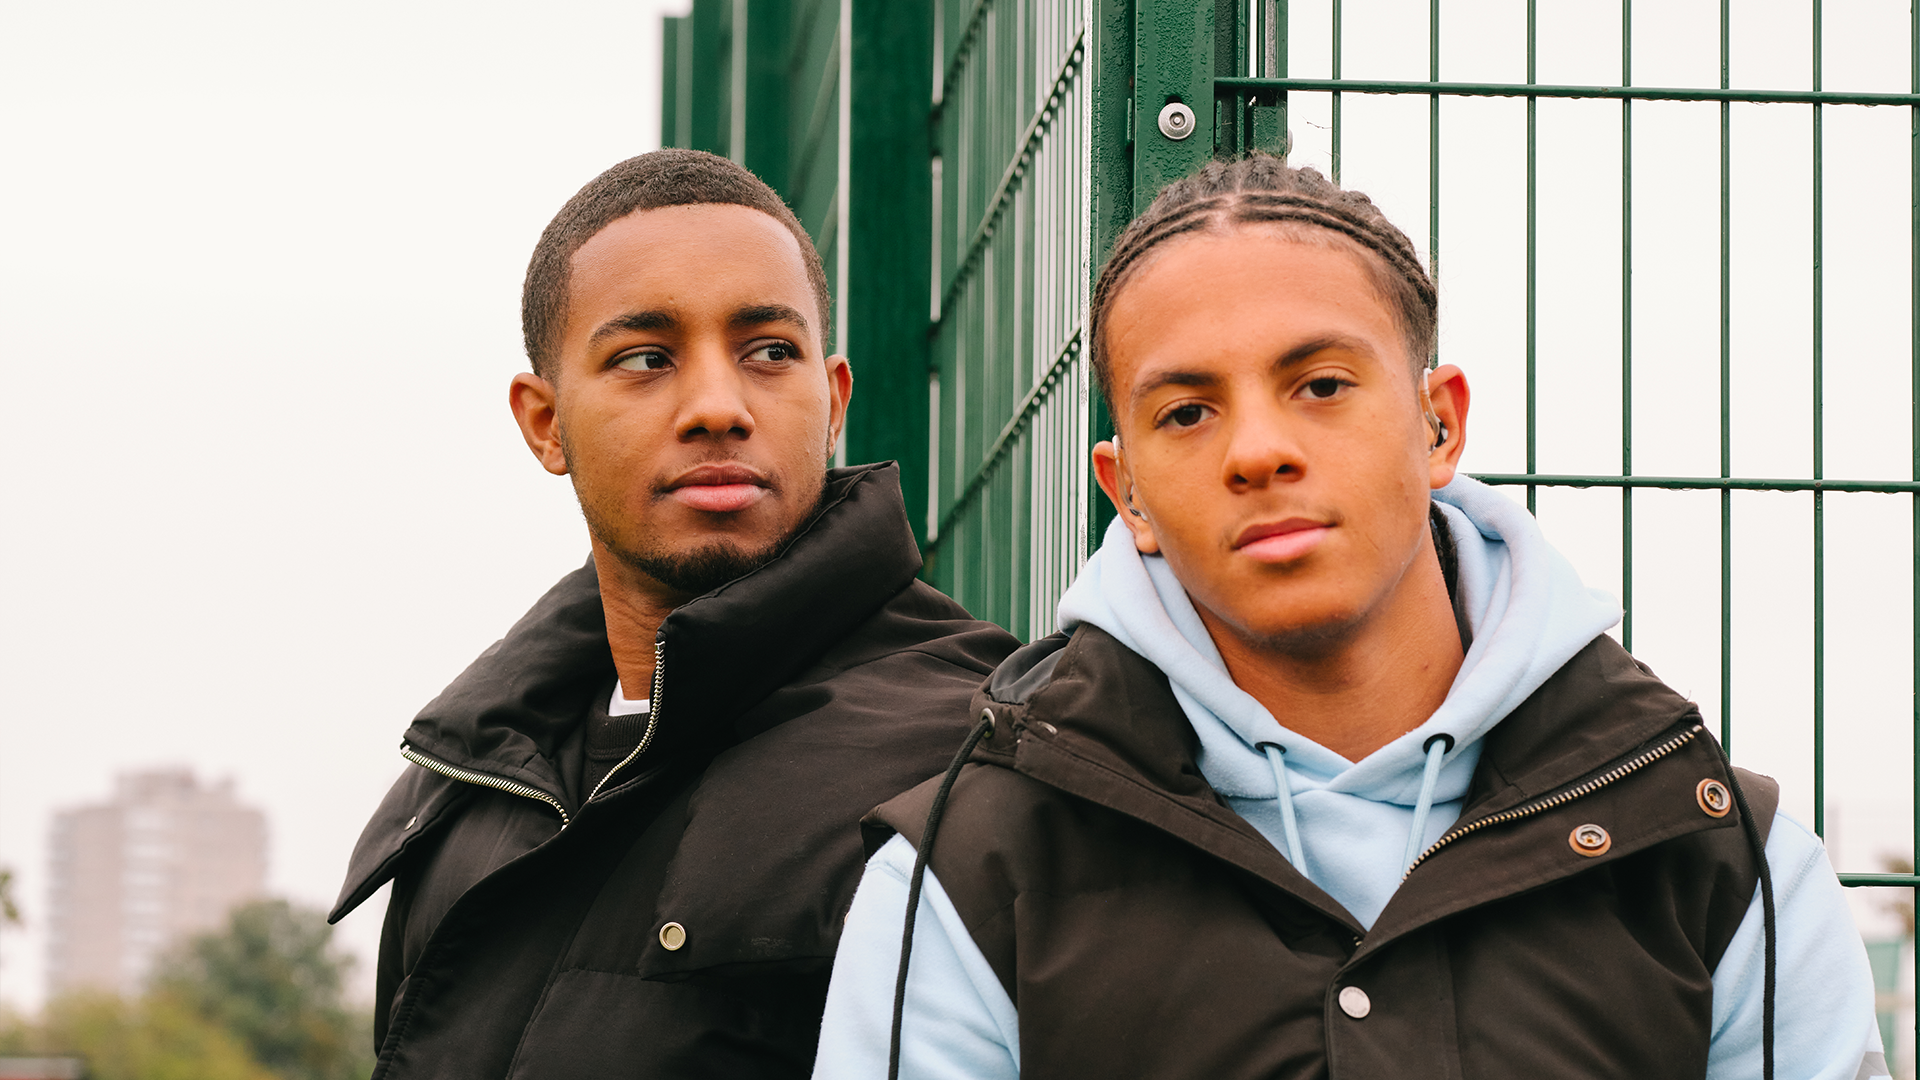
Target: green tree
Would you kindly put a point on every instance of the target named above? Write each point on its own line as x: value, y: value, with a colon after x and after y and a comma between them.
x: 1898, y: 902
x: 272, y: 979
x: 9, y: 910
x: 157, y: 1038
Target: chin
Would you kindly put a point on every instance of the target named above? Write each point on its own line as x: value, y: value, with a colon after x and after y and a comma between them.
x: 703, y: 566
x: 1302, y: 632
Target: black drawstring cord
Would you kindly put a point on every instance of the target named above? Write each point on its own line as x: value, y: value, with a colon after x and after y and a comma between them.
x: 1766, y: 898
x: 980, y: 731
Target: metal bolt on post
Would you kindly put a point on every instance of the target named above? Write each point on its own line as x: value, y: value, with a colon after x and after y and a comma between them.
x: 1176, y: 121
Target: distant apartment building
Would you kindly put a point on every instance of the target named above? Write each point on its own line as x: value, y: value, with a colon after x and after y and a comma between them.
x: 167, y: 857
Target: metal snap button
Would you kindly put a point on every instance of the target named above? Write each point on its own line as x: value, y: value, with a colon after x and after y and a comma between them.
x: 673, y: 936
x: 1714, y: 798
x: 1590, y: 840
x: 1355, y: 1002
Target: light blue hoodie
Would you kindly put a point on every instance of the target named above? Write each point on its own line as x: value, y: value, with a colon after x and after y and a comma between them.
x: 1356, y: 825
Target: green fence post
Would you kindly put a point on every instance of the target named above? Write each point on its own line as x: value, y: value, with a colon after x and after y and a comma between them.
x: 1174, y: 50
x: 1110, y: 170
x: 1626, y: 326
x: 889, y: 259
x: 766, y: 80
x: 671, y: 27
x: 1726, y: 380
x: 1819, y: 452
x: 708, y: 52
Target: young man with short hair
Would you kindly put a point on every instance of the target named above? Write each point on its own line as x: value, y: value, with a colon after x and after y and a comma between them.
x: 1333, y: 770
x: 628, y: 836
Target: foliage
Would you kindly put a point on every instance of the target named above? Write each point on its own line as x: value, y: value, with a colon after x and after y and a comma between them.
x: 9, y: 910
x: 273, y: 980
x: 257, y: 1000
x: 16, y: 1034
x: 1900, y: 904
x: 156, y: 1038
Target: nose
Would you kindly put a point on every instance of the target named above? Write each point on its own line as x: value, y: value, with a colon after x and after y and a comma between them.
x: 713, y: 402
x: 1262, y: 449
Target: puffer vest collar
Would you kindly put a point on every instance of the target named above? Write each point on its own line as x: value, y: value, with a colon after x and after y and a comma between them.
x: 723, y: 652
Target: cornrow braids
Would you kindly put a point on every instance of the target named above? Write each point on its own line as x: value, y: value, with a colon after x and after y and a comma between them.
x: 1262, y: 188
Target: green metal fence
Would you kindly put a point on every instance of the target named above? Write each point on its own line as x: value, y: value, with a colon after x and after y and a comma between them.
x: 827, y: 102
x: 1238, y: 94
x: 1008, y: 489
x: 990, y: 150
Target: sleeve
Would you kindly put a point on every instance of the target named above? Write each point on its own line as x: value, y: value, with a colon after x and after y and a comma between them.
x: 1824, y: 1025
x: 959, y: 1023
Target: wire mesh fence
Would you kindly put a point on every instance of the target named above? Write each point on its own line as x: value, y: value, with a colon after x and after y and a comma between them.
x: 1678, y: 253
x: 1008, y: 402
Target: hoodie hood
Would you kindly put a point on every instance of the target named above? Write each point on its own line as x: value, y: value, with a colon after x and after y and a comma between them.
x: 1529, y: 613
x: 1527, y: 607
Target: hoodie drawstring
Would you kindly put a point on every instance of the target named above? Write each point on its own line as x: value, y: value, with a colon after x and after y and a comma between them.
x: 923, y: 852
x: 1276, y: 757
x: 1436, y: 748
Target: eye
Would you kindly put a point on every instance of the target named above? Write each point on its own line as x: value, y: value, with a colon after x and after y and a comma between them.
x: 1324, y: 387
x: 1183, y: 416
x: 643, y: 360
x: 777, y: 353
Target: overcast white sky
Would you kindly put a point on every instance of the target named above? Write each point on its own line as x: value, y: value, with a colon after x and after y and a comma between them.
x: 259, y: 286
x: 259, y: 301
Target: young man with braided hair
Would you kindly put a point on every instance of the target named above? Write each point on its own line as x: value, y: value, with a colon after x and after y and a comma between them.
x: 1333, y: 769
x: 628, y: 832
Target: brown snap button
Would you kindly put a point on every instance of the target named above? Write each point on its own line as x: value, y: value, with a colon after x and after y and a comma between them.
x: 1590, y: 840
x: 673, y: 936
x: 1714, y: 797
x: 1355, y: 1002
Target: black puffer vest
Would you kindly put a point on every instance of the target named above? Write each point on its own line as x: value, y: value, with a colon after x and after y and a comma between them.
x: 1568, y: 925
x: 682, y: 922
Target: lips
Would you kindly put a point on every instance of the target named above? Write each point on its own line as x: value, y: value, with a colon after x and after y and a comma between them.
x: 718, y: 488
x: 1281, y: 541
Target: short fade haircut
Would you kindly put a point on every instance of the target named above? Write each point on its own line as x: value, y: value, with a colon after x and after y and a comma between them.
x: 671, y: 177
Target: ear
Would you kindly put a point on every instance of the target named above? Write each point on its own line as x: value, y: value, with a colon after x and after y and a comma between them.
x: 1117, y: 481
x: 839, y: 395
x: 532, y: 400
x: 1448, y: 395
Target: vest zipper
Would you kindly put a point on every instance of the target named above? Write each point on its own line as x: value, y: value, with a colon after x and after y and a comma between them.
x: 512, y: 787
x: 1560, y: 798
x: 653, y: 715
x: 515, y: 787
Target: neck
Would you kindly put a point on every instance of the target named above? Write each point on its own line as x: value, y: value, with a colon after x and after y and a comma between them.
x: 1370, y: 684
x: 636, y: 605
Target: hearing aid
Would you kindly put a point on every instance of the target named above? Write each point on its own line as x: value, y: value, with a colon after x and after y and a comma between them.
x: 1433, y: 419
x: 1128, y: 497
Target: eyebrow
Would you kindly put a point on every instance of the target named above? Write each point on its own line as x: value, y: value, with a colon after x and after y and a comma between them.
x: 632, y: 321
x: 760, y: 314
x: 646, y: 321
x: 1299, y: 354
